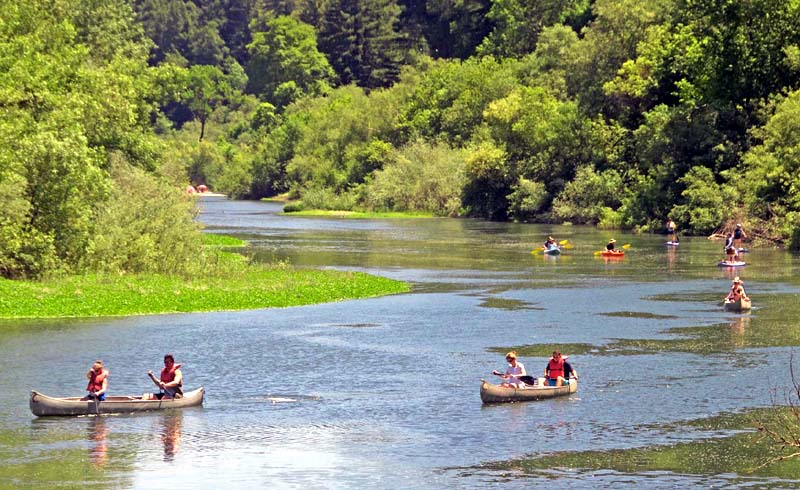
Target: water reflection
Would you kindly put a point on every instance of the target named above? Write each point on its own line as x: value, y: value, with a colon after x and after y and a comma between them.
x: 171, y: 425
x: 98, y: 441
x: 671, y: 257
x: 738, y: 329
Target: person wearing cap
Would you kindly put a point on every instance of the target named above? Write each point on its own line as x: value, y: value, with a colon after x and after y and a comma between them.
x: 550, y: 243
x: 610, y: 246
x: 737, y: 290
x: 514, y: 371
x: 738, y: 234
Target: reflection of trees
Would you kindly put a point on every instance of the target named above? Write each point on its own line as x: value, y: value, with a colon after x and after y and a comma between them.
x: 98, y: 437
x: 171, y: 425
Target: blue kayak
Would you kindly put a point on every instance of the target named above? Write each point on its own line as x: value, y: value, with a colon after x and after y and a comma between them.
x: 553, y: 251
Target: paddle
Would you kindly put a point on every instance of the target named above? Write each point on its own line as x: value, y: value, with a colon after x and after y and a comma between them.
x: 170, y: 392
x: 528, y: 380
x: 537, y: 250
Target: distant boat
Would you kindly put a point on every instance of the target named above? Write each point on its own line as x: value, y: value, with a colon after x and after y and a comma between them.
x: 613, y: 253
x: 673, y: 244
x: 43, y: 405
x: 739, y: 305
x: 553, y: 251
x: 727, y: 263
x: 499, y: 394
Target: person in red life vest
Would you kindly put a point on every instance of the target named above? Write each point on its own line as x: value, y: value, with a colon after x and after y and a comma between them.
x: 170, y: 381
x: 554, y: 371
x: 98, y: 382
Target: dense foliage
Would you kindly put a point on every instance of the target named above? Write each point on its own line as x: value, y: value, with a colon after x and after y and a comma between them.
x: 612, y: 112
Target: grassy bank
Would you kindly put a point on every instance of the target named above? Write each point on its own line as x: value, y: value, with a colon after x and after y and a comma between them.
x: 235, y: 285
x: 359, y: 214
x: 255, y: 287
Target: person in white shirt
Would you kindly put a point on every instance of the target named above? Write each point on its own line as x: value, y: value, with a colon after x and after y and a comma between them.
x: 513, y: 372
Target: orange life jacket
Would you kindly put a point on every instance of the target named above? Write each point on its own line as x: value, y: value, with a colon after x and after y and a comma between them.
x: 555, y: 368
x: 96, y: 380
x: 168, y: 375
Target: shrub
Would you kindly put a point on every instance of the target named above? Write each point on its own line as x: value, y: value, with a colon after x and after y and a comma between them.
x: 146, y: 226
x: 528, y: 198
x: 420, y: 176
x: 590, y: 197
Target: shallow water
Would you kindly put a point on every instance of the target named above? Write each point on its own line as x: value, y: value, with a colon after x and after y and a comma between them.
x: 383, y: 393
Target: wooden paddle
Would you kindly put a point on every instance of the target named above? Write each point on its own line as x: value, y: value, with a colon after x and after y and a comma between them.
x: 170, y: 392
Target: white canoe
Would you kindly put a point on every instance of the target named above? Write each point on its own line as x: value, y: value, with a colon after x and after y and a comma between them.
x: 497, y: 394
x: 43, y: 405
x: 741, y: 304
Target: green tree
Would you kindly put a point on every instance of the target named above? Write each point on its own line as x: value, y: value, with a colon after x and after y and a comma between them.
x: 363, y: 41
x: 207, y: 88
x: 518, y: 23
x: 452, y: 28
x: 770, y: 185
x: 286, y: 52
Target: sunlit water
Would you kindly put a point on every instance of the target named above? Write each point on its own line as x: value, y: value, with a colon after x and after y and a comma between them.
x: 383, y: 393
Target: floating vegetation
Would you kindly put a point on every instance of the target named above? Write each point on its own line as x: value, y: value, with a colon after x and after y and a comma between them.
x: 639, y: 314
x: 741, y: 453
x: 546, y: 350
x: 508, y: 304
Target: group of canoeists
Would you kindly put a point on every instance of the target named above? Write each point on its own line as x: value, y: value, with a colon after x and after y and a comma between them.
x: 557, y: 372
x: 551, y: 247
x: 170, y: 381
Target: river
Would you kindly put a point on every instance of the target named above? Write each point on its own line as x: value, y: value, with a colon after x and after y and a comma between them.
x: 382, y: 393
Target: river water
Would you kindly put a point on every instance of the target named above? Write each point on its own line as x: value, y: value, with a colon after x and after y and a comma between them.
x: 383, y: 393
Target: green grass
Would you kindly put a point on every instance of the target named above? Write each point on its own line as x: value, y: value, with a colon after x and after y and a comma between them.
x: 215, y: 240
x: 232, y: 284
x: 255, y: 287
x: 361, y: 214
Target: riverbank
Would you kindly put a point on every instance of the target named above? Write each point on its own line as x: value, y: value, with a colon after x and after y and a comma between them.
x: 236, y: 285
x: 359, y: 214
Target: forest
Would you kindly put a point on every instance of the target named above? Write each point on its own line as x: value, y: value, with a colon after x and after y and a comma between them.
x: 617, y: 113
